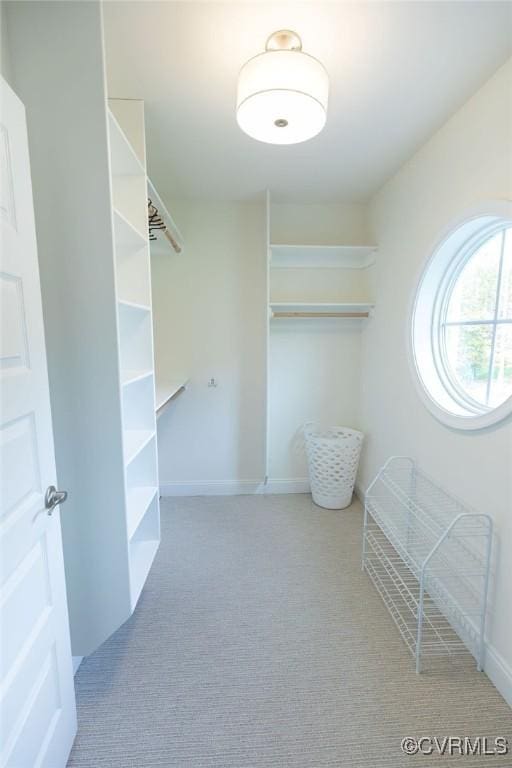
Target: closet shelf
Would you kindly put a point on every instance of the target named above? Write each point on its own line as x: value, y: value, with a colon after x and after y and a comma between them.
x: 348, y: 310
x: 322, y: 256
x: 138, y: 501
x: 132, y: 376
x: 134, y: 441
x: 123, y: 160
x: 165, y: 392
x: 126, y: 235
x: 133, y: 306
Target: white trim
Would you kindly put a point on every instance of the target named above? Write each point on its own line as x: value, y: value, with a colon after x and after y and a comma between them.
x: 235, y: 487
x: 266, y: 319
x: 359, y: 493
x: 287, y: 485
x: 499, y: 210
x: 211, y: 488
x: 498, y: 672
x: 243, y: 487
x: 77, y: 660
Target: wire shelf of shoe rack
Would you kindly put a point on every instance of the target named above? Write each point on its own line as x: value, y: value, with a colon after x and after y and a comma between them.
x: 428, y: 557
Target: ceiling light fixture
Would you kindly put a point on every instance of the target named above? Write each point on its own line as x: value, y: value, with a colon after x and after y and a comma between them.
x: 282, y: 92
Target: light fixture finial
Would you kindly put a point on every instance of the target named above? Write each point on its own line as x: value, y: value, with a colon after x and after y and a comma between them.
x: 283, y: 40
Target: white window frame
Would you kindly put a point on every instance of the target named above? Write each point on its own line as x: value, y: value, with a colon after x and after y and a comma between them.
x: 436, y: 386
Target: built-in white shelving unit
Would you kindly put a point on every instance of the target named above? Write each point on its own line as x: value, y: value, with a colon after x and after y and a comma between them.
x: 95, y: 265
x: 135, y: 334
x: 320, y: 281
x: 111, y: 541
x: 319, y: 301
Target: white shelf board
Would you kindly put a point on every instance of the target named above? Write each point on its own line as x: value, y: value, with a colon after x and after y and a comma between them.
x: 138, y: 500
x: 142, y: 554
x: 322, y: 256
x: 132, y: 376
x: 288, y: 306
x: 134, y: 440
x: 133, y: 306
x: 124, y: 161
x: 165, y: 391
x: 127, y: 237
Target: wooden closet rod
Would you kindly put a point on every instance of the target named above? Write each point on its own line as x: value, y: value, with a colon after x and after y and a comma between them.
x: 320, y: 314
x: 157, y: 224
x: 170, y: 398
x: 172, y: 241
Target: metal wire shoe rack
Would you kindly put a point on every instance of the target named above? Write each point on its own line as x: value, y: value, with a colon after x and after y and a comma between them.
x: 429, y: 558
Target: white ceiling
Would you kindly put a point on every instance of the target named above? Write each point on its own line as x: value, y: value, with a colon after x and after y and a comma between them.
x: 397, y: 71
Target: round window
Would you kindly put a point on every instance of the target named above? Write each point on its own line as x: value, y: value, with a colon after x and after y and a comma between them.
x: 462, y: 323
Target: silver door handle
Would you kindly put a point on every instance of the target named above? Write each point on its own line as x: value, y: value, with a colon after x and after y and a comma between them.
x: 53, y: 498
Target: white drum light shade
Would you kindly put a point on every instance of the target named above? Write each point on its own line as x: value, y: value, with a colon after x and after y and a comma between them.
x: 282, y: 94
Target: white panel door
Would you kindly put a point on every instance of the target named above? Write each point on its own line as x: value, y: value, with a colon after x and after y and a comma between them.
x: 37, y: 701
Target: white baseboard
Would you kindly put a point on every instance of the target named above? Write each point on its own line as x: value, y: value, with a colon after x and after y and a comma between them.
x: 241, y: 487
x: 287, y: 485
x: 77, y: 660
x: 499, y: 673
x: 235, y: 487
x: 215, y: 488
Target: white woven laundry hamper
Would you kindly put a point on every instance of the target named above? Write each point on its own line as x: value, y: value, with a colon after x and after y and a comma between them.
x: 333, y: 457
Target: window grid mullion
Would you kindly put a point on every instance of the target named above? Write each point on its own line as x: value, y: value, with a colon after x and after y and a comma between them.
x: 496, y: 315
x: 500, y: 321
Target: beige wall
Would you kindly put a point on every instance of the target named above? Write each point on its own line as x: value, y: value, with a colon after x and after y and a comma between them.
x: 210, y: 317
x: 209, y: 309
x: 330, y: 224
x: 467, y: 161
x: 5, y: 58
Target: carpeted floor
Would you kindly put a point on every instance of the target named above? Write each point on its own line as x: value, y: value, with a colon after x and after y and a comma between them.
x: 259, y: 643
